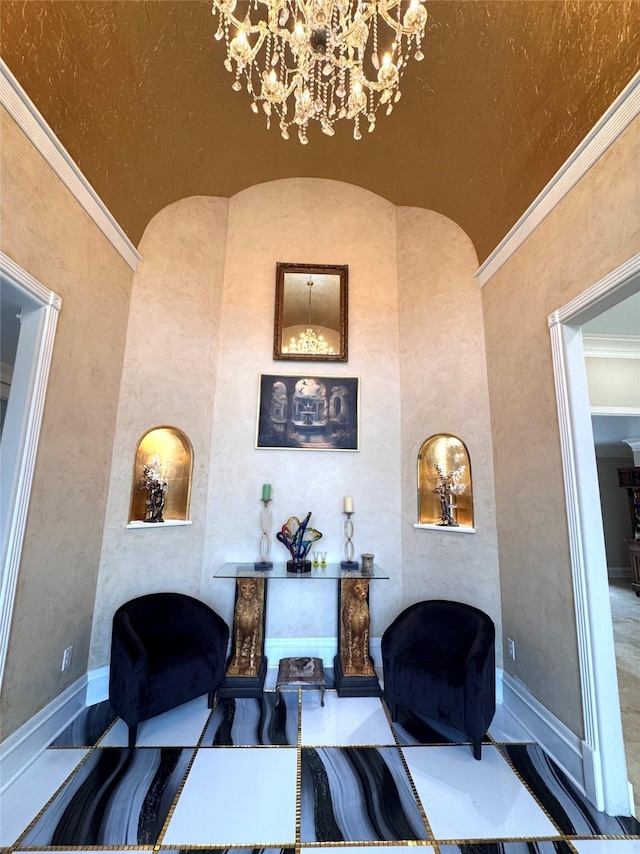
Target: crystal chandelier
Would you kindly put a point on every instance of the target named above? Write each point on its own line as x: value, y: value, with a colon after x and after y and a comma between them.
x: 309, y: 342
x: 320, y: 60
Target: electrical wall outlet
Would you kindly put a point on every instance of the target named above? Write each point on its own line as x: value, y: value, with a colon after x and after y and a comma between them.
x: 66, y: 658
x: 511, y: 649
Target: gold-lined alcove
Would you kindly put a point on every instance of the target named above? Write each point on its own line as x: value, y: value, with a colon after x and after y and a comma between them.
x: 449, y: 454
x: 168, y: 452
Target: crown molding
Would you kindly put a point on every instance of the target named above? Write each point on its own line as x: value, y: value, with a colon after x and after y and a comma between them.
x: 611, y: 346
x: 613, y: 123
x: 22, y: 110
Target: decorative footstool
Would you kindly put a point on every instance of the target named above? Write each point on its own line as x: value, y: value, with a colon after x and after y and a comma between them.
x: 304, y: 672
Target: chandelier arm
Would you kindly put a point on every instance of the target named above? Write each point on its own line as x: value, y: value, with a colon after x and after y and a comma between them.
x: 396, y: 25
x: 261, y: 27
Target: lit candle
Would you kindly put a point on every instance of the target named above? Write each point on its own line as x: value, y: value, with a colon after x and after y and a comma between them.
x: 266, y: 492
x: 347, y: 504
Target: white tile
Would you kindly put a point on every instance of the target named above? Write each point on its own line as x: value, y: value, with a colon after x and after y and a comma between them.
x: 607, y: 846
x: 180, y: 727
x: 344, y: 721
x: 25, y: 797
x: 363, y: 849
x: 237, y: 795
x: 467, y: 799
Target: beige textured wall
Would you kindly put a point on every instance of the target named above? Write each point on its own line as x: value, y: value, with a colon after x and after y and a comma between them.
x: 444, y: 390
x: 49, y: 235
x: 204, y: 379
x: 591, y: 232
x: 168, y: 378
x: 326, y: 222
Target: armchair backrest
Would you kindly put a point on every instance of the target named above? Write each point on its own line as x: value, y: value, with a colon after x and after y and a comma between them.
x: 159, y: 615
x: 451, y: 623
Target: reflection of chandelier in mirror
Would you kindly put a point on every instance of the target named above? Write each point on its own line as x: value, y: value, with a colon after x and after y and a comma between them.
x: 308, y: 342
x: 323, y: 52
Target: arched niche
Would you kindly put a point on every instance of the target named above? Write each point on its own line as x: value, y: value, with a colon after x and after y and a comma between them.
x: 450, y: 455
x: 167, y: 451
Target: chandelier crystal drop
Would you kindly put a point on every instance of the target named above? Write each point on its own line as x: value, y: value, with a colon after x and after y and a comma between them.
x: 320, y: 60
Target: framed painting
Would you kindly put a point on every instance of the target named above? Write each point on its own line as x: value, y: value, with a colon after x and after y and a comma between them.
x: 309, y: 413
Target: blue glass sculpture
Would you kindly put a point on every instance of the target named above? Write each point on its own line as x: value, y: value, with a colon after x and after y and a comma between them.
x: 298, y: 538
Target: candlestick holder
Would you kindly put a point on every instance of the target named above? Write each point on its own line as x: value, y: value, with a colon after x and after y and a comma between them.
x: 348, y: 562
x: 265, y: 538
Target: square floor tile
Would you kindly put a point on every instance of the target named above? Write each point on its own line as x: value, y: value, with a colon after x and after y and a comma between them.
x: 569, y: 809
x: 504, y: 727
x: 25, y: 797
x: 607, y: 846
x: 467, y: 799
x: 180, y: 727
x: 116, y: 797
x: 522, y: 846
x: 254, y: 722
x: 237, y: 795
x: 410, y: 729
x: 357, y: 794
x: 366, y: 849
x: 344, y: 721
x: 87, y: 727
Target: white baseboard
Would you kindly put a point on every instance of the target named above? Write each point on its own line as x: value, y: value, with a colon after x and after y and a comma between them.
x: 619, y: 572
x: 556, y: 739
x: 19, y: 750
x: 97, y: 685
x: 275, y: 649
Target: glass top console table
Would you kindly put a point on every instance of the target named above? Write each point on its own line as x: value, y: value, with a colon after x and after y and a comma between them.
x: 247, y: 665
x: 331, y: 570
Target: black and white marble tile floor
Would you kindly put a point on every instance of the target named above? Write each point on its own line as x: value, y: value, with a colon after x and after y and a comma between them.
x: 293, y: 777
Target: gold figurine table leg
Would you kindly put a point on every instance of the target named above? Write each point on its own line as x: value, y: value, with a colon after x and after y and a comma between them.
x: 354, y: 673
x: 247, y: 667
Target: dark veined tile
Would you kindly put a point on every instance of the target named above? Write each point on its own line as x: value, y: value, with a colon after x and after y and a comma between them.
x: 228, y: 850
x: 357, y: 794
x: 88, y: 727
x: 252, y: 722
x: 522, y: 846
x: 569, y: 809
x: 117, y: 797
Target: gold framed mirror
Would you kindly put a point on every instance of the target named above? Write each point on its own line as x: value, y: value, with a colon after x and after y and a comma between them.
x: 311, y: 312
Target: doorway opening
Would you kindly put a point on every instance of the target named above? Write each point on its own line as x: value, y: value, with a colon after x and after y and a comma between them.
x: 603, y: 746
x: 31, y: 313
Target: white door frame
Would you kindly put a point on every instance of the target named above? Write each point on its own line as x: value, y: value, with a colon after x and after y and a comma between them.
x: 22, y: 429
x: 604, y: 760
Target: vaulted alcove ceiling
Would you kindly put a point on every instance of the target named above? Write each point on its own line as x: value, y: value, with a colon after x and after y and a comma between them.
x: 137, y: 93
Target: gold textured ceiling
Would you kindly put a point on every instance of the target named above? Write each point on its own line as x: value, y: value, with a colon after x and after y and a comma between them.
x: 137, y: 93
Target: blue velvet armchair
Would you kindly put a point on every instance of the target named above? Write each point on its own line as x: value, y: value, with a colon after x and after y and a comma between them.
x: 438, y: 661
x: 166, y: 649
